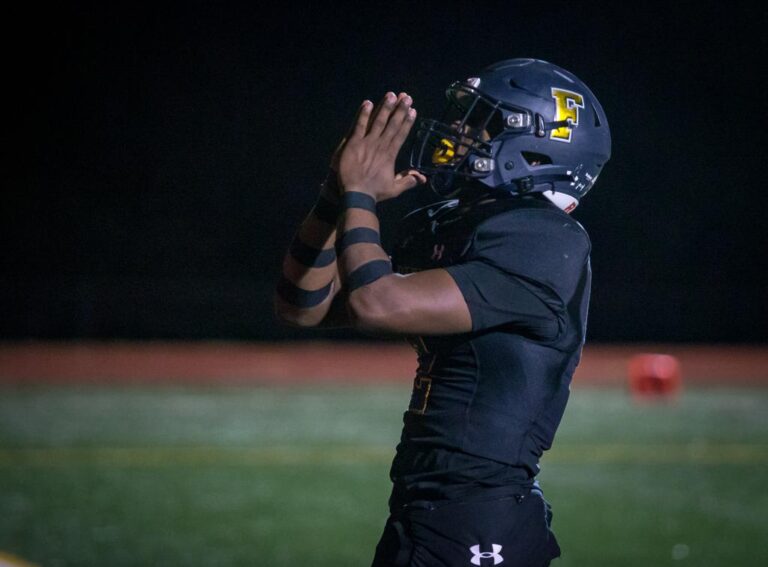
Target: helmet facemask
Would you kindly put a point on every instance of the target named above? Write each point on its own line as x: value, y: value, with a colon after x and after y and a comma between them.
x: 461, y: 145
x: 465, y: 150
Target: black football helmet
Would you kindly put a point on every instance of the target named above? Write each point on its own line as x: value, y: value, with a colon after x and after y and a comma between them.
x: 521, y: 126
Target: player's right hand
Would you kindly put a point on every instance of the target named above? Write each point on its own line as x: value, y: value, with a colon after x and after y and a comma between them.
x: 365, y: 158
x: 337, y: 152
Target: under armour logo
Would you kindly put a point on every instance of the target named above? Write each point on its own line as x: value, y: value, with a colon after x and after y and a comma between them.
x: 437, y: 251
x: 477, y: 555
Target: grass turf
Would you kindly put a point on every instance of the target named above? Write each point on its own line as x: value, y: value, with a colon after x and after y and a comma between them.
x: 298, y: 476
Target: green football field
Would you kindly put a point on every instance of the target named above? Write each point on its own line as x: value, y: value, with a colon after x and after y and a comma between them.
x: 286, y: 476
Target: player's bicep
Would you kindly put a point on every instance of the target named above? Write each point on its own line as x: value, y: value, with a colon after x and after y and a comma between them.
x: 423, y: 303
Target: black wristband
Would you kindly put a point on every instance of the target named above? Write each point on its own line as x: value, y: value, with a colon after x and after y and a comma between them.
x: 311, y: 257
x: 356, y: 236
x: 299, y: 297
x: 368, y: 273
x: 358, y: 200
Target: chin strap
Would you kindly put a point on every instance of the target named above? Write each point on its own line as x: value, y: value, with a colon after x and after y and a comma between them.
x: 529, y: 183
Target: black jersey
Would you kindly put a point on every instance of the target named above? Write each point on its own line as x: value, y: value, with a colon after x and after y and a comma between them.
x: 486, y: 404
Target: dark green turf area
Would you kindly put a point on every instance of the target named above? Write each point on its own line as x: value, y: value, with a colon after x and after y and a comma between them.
x: 298, y: 476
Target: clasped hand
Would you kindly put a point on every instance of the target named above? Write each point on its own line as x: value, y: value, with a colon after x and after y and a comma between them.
x: 365, y: 160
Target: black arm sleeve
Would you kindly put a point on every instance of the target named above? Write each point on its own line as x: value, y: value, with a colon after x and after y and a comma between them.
x: 521, y: 271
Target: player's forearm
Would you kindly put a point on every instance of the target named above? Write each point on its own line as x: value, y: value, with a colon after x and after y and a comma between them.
x: 364, y: 266
x: 310, y: 277
x: 366, y: 164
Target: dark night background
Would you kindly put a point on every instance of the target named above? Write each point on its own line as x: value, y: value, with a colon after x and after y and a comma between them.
x: 158, y: 158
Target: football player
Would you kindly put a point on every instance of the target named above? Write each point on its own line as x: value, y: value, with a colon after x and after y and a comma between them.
x: 491, y: 286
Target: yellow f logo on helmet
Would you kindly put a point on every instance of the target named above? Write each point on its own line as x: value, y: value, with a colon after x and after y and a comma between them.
x: 567, y: 105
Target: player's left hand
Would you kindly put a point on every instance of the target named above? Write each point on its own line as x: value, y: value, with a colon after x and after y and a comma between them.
x: 366, y: 162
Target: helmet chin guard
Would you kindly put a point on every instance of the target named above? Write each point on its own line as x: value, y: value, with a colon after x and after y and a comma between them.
x: 521, y: 126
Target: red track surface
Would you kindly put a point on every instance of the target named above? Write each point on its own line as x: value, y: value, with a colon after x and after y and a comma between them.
x: 301, y: 363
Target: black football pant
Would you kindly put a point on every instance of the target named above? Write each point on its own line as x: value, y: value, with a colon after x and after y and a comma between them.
x: 513, y: 531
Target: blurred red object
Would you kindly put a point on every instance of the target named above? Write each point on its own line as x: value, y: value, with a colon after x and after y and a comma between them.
x: 654, y: 376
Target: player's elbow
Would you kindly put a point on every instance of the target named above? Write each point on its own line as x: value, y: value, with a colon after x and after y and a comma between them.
x: 293, y: 316
x: 365, y: 310
x: 371, y: 310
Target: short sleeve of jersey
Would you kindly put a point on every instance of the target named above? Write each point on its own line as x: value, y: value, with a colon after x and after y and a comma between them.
x: 522, y: 270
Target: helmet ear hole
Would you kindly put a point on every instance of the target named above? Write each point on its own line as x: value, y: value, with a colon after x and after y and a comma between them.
x: 535, y: 158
